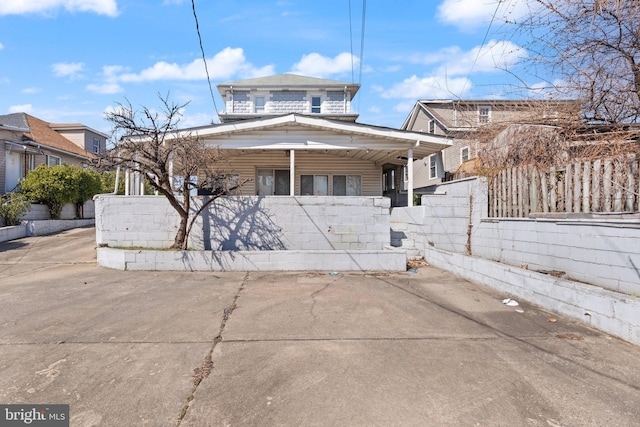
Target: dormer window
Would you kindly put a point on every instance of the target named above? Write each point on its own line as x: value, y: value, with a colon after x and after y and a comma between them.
x: 315, y: 104
x: 259, y: 104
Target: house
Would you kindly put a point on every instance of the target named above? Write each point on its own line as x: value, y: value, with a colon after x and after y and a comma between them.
x: 298, y: 136
x: 295, y: 135
x: 464, y: 120
x: 26, y: 142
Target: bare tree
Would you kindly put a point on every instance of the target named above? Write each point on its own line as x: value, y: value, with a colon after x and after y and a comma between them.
x: 175, y: 163
x: 588, y: 50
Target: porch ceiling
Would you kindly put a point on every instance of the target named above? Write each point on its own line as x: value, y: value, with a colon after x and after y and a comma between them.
x: 376, y: 144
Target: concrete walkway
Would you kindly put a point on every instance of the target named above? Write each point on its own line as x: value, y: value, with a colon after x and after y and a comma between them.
x: 218, y: 349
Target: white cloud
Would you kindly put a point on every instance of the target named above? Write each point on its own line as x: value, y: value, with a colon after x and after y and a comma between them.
x: 1, y: 46
x: 316, y: 65
x: 431, y: 87
x: 68, y: 69
x: 493, y: 56
x: 224, y: 65
x: 24, y: 108
x: 469, y: 15
x: 20, y: 7
x: 31, y: 90
x: 105, y: 88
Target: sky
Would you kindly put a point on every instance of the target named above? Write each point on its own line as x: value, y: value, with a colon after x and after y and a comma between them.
x: 70, y: 61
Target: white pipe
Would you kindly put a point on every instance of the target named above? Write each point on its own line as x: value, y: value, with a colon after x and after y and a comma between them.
x: 292, y: 172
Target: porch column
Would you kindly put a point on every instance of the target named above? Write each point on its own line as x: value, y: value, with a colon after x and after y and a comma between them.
x: 410, y: 176
x: 292, y: 172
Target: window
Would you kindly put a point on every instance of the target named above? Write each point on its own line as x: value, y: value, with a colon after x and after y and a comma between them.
x: 347, y: 185
x: 259, y: 104
x: 464, y: 154
x: 311, y: 185
x: 221, y: 184
x: 31, y: 163
x: 433, y: 169
x: 53, y: 160
x: 484, y: 114
x: 315, y: 104
x: 273, y: 182
x: 96, y: 145
x: 389, y: 177
x: 432, y: 126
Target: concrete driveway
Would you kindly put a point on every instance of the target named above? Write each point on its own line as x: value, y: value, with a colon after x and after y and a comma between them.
x: 302, y: 349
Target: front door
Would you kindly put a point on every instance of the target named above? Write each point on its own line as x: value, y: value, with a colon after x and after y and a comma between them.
x: 13, y: 170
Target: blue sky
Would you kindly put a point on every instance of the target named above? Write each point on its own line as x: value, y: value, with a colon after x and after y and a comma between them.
x: 69, y: 61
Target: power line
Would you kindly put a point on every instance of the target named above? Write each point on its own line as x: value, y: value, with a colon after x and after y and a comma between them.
x: 204, y: 58
x: 353, y: 80
x: 484, y: 40
x: 364, y: 12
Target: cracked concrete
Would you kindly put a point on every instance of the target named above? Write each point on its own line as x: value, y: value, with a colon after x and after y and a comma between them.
x: 203, y: 349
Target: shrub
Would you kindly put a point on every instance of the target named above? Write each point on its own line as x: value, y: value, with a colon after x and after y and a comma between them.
x: 87, y: 185
x: 12, y: 206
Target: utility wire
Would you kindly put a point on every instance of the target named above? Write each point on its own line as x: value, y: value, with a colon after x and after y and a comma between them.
x: 204, y: 58
x: 484, y: 40
x: 364, y: 12
x: 353, y: 80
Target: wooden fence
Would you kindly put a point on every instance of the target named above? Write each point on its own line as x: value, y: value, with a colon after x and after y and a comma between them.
x: 605, y: 185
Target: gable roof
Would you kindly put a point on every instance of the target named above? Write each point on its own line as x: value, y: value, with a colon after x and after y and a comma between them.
x: 430, y: 108
x: 302, y: 132
x: 288, y: 81
x: 41, y: 133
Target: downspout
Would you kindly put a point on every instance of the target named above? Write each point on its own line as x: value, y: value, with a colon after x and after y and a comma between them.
x: 292, y: 172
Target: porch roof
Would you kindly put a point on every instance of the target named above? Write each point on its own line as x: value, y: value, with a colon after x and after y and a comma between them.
x: 300, y: 132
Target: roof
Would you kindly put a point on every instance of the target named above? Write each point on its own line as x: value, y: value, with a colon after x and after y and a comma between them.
x: 450, y: 104
x: 302, y: 132
x: 288, y: 81
x: 41, y: 133
x: 75, y: 126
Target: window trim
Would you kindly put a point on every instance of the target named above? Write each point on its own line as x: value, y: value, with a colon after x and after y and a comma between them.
x: 319, y: 106
x: 359, y: 176
x: 262, y: 108
x: 432, y: 126
x: 49, y: 157
x: 433, y: 168
x: 462, y: 160
x: 96, y: 145
x: 484, y: 118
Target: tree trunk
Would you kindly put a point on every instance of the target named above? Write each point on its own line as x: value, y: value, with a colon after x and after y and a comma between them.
x: 180, y: 241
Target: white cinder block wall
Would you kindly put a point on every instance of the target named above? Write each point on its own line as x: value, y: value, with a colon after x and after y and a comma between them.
x: 601, y: 256
x: 249, y: 223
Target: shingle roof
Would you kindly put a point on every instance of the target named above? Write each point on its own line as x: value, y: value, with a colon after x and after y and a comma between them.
x: 41, y: 132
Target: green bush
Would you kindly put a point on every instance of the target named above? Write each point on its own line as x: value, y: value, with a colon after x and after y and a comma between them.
x: 58, y: 185
x: 12, y: 206
x: 87, y: 184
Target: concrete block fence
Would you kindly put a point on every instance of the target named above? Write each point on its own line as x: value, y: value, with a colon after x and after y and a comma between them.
x: 597, y: 256
x: 249, y: 223
x: 288, y: 260
x: 612, y: 312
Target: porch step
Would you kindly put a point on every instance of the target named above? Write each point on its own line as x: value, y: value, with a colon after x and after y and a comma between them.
x: 410, y: 253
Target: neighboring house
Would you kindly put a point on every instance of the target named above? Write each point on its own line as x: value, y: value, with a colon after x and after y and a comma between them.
x: 27, y: 142
x: 293, y: 135
x: 460, y: 119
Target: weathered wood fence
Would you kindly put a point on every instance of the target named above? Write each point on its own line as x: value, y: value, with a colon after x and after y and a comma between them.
x: 604, y: 185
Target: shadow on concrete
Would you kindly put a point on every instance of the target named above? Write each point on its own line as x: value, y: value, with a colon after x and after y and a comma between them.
x: 13, y: 244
